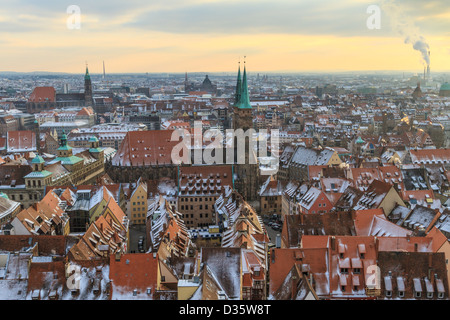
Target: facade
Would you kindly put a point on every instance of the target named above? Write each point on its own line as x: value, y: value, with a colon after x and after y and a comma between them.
x: 199, y: 188
x: 137, y: 204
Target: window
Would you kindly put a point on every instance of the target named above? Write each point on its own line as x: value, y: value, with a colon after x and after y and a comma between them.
x: 342, y: 288
x: 344, y: 270
x: 440, y: 295
x: 362, y: 256
x: 417, y: 294
x: 401, y: 294
x: 430, y: 295
x: 388, y: 293
x: 357, y: 271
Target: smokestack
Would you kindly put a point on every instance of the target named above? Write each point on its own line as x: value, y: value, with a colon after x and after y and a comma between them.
x: 104, y: 70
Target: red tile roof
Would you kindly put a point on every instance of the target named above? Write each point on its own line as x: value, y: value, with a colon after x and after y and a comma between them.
x: 430, y: 156
x: 21, y: 141
x: 137, y: 271
x: 147, y: 148
x: 43, y: 94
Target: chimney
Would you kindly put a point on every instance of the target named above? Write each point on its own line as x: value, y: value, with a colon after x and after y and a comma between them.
x: 278, y: 241
x: 333, y: 243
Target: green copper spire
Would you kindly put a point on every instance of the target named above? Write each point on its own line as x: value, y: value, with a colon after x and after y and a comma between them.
x: 244, y: 102
x: 87, y: 76
x: 238, y: 87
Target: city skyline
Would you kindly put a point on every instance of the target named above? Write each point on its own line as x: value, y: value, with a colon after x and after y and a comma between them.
x: 191, y: 36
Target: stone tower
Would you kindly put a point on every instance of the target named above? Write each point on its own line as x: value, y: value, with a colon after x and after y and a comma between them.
x: 247, y: 174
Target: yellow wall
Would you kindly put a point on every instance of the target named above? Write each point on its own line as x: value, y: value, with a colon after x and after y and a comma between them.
x: 335, y: 160
x: 97, y: 210
x: 446, y: 250
x: 185, y: 292
x: 390, y: 201
x: 138, y: 206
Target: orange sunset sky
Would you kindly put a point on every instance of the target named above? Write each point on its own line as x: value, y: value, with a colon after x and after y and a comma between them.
x: 211, y: 35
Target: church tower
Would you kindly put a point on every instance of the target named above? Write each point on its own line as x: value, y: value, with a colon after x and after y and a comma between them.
x: 247, y: 174
x: 243, y: 117
x: 88, y: 88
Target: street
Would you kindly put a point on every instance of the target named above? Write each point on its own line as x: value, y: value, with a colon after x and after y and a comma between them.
x: 135, y: 232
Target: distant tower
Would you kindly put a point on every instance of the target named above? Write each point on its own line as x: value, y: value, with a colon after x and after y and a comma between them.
x: 87, y: 88
x: 186, y: 83
x: 104, y: 74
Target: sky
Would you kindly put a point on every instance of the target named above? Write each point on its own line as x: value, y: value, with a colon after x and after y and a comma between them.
x: 214, y: 35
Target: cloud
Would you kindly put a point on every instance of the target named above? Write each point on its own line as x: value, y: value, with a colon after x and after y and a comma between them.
x: 340, y: 18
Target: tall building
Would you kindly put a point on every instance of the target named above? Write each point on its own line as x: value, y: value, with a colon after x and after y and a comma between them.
x: 88, y: 88
x: 246, y: 174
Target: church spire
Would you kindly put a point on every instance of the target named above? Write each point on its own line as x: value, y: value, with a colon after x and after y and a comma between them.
x: 244, y: 102
x: 87, y: 76
x: 238, y: 87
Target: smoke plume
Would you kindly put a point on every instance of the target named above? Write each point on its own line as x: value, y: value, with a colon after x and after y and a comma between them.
x: 406, y: 28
